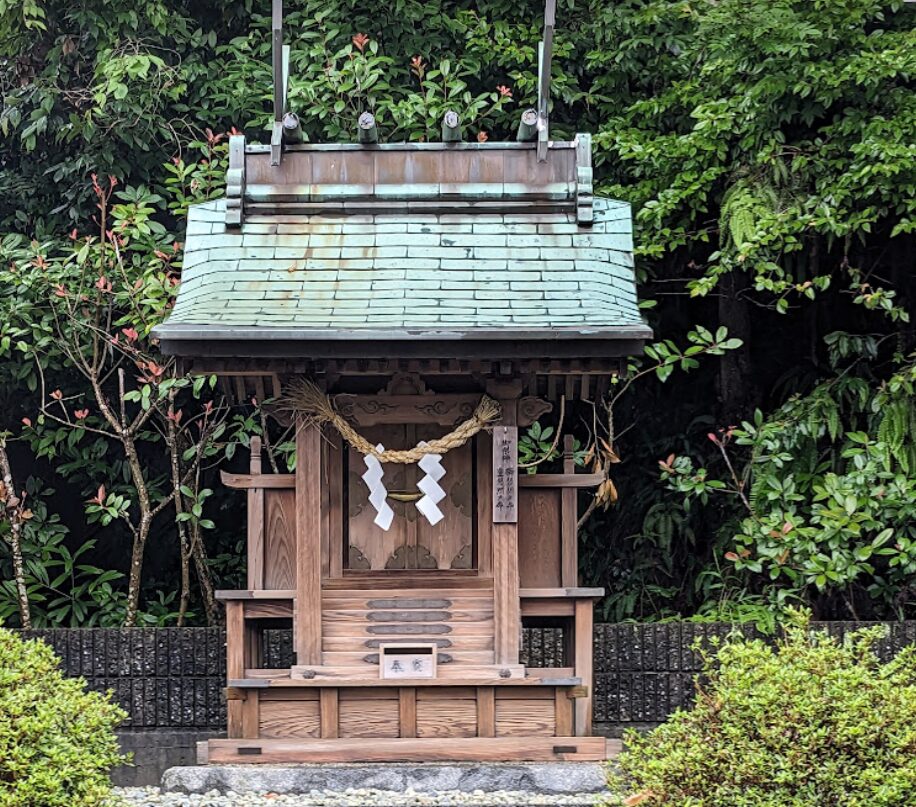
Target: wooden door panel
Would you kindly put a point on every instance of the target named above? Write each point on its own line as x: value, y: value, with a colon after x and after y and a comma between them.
x: 280, y: 545
x: 450, y: 542
x: 370, y: 547
x: 411, y: 542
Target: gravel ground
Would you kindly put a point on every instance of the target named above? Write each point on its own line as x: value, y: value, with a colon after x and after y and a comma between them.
x: 152, y: 797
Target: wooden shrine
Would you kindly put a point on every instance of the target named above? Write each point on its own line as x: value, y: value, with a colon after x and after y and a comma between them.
x: 407, y: 288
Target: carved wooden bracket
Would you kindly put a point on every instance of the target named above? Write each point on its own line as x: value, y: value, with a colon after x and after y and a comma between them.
x: 530, y: 409
x: 371, y: 410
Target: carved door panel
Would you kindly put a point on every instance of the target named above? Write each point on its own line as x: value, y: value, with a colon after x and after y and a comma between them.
x: 450, y: 543
x: 411, y: 542
x: 370, y: 547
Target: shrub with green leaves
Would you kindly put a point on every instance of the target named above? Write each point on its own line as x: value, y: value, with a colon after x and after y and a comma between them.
x: 57, y: 741
x: 807, y: 722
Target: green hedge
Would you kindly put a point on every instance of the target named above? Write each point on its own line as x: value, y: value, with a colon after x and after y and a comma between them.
x: 57, y: 741
x: 809, y: 722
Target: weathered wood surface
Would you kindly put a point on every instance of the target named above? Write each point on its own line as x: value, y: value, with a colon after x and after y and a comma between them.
x: 561, y: 592
x: 525, y: 717
x: 486, y: 711
x: 329, y: 713
x: 376, y: 715
x: 411, y: 542
x: 584, y: 633
x: 458, y: 622
x: 427, y: 749
x: 307, y: 622
x: 505, y: 470
x: 257, y: 481
x: 435, y: 408
x: 409, y: 712
x: 539, y: 537
x: 235, y: 664
x: 280, y: 539
x: 255, y: 522
x: 564, y: 480
x: 506, y: 606
x: 469, y: 676
x: 569, y: 521
x: 281, y: 719
x: 255, y: 594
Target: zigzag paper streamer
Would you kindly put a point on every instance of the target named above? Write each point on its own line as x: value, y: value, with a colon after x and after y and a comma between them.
x: 378, y: 493
x: 429, y: 486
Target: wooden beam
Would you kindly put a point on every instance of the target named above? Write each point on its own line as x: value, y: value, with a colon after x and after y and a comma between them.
x: 269, y: 609
x: 307, y: 619
x: 428, y: 749
x: 560, y: 593
x: 552, y: 607
x: 443, y: 409
x: 460, y: 680
x: 248, y: 481
x: 568, y: 480
x: 254, y: 594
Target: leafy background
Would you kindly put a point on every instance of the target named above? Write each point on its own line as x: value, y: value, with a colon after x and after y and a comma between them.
x: 766, y: 146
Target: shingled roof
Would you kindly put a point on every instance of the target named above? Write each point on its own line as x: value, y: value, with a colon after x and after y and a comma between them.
x: 400, y: 244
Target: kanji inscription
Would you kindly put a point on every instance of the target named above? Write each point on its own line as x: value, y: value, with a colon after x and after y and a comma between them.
x: 505, y: 475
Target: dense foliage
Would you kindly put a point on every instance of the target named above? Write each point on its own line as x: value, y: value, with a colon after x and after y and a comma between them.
x: 57, y: 741
x: 808, y: 722
x: 766, y: 146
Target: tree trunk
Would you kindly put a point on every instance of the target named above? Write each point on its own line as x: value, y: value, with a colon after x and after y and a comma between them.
x: 737, y: 390
x: 12, y: 505
x: 199, y: 553
x: 135, y: 578
x: 184, y: 548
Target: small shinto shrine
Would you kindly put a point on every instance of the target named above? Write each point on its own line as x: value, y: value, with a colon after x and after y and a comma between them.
x: 409, y: 307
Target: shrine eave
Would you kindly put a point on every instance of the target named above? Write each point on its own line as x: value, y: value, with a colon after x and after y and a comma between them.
x: 496, y: 343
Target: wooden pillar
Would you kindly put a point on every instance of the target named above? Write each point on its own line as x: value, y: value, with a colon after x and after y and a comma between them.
x: 484, y: 505
x: 250, y: 715
x: 309, y: 522
x: 486, y: 712
x: 563, y: 708
x: 407, y: 712
x: 255, y: 522
x: 584, y: 637
x: 506, y: 603
x: 569, y: 518
x: 329, y: 713
x: 235, y: 666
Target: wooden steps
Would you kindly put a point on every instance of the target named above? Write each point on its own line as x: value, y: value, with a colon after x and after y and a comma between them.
x: 459, y: 621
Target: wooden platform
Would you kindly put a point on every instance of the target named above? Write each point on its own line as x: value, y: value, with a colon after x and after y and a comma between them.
x: 455, y: 749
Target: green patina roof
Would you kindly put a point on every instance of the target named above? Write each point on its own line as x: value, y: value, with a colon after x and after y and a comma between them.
x: 409, y: 275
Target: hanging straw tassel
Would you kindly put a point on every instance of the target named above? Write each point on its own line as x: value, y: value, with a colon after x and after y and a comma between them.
x: 305, y: 398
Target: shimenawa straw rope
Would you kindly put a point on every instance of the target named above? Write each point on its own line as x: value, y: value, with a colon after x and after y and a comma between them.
x: 304, y: 397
